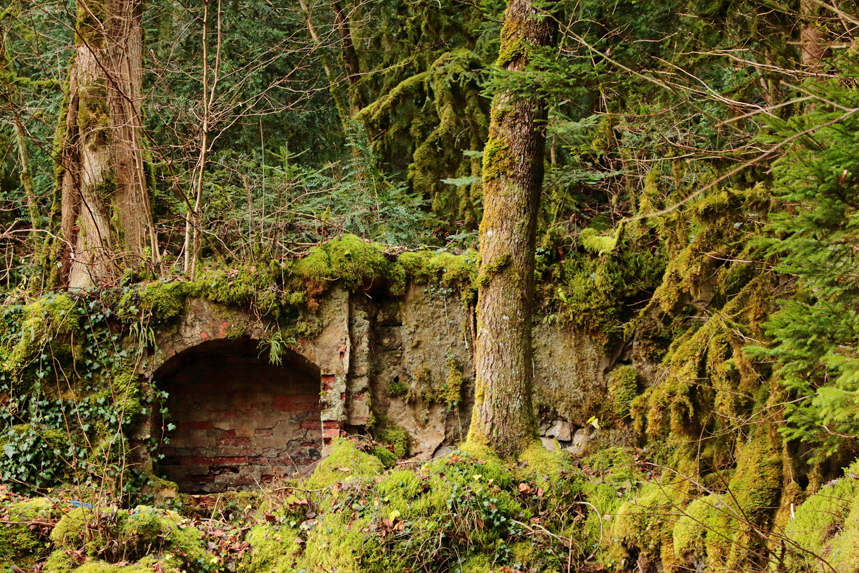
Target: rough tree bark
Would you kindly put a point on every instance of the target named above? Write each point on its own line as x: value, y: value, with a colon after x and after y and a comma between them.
x: 9, y: 98
x: 106, y: 219
x: 503, y: 416
x: 351, y: 63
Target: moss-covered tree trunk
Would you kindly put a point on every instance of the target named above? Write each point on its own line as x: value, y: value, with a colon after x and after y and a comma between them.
x: 503, y: 415
x: 106, y: 221
x: 357, y: 101
x: 9, y: 96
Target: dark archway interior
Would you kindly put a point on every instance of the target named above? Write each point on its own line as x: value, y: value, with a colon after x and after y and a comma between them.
x: 240, y: 421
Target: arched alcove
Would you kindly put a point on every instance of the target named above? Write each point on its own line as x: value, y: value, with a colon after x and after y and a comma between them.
x: 239, y: 420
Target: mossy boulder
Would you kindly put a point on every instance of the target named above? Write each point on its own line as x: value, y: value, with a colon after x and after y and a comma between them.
x: 274, y: 550
x: 643, y: 525
x: 352, y: 261
x: 346, y: 462
x: 19, y: 544
x: 827, y: 525
x: 119, y: 535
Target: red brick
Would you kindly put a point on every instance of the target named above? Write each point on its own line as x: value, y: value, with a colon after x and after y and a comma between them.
x: 328, y: 381
x: 329, y: 424
x: 195, y: 425
x: 295, y: 403
x: 224, y: 414
x: 311, y: 425
x: 230, y: 460
x: 332, y: 433
x: 194, y: 461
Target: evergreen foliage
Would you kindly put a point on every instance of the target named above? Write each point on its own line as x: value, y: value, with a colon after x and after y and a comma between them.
x: 814, y: 237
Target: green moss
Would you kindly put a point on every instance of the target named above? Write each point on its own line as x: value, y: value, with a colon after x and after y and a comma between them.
x: 823, y: 523
x: 401, y: 483
x: 755, y: 489
x: 40, y: 322
x: 338, y: 543
x: 615, y: 463
x: 133, y: 534
x: 843, y: 551
x: 274, y: 550
x: 397, y: 389
x: 496, y: 159
x: 344, y: 463
x: 59, y: 562
x: 644, y: 524
x: 19, y: 545
x: 701, y: 530
x: 398, y: 438
x: 451, y: 271
x: 351, y: 260
x: 164, y: 301
x: 386, y: 456
x: 596, y: 243
x: 542, y: 467
x: 477, y: 564
x: 622, y: 389
x: 473, y: 460
x: 452, y: 392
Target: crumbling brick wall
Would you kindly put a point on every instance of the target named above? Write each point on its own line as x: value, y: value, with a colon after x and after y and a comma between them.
x: 239, y: 421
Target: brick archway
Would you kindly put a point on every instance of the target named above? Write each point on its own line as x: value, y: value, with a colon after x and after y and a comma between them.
x: 240, y: 421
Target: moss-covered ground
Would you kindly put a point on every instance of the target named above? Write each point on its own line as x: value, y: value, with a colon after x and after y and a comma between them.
x: 467, y: 511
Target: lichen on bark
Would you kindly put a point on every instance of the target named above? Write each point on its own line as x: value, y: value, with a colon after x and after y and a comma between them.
x: 503, y: 415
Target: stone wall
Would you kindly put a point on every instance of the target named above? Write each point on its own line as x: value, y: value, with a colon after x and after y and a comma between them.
x: 392, y: 362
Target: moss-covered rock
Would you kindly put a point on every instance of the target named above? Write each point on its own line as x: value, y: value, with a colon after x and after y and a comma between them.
x: 644, y: 525
x: 346, y: 462
x: 623, y: 387
x: 19, y: 544
x: 274, y: 550
x: 350, y: 260
x: 129, y: 535
x: 826, y: 525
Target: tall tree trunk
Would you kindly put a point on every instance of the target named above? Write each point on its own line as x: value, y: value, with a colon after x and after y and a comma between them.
x: 106, y: 220
x: 812, y: 38
x: 350, y: 58
x: 503, y: 416
x: 333, y: 86
x: 9, y: 93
